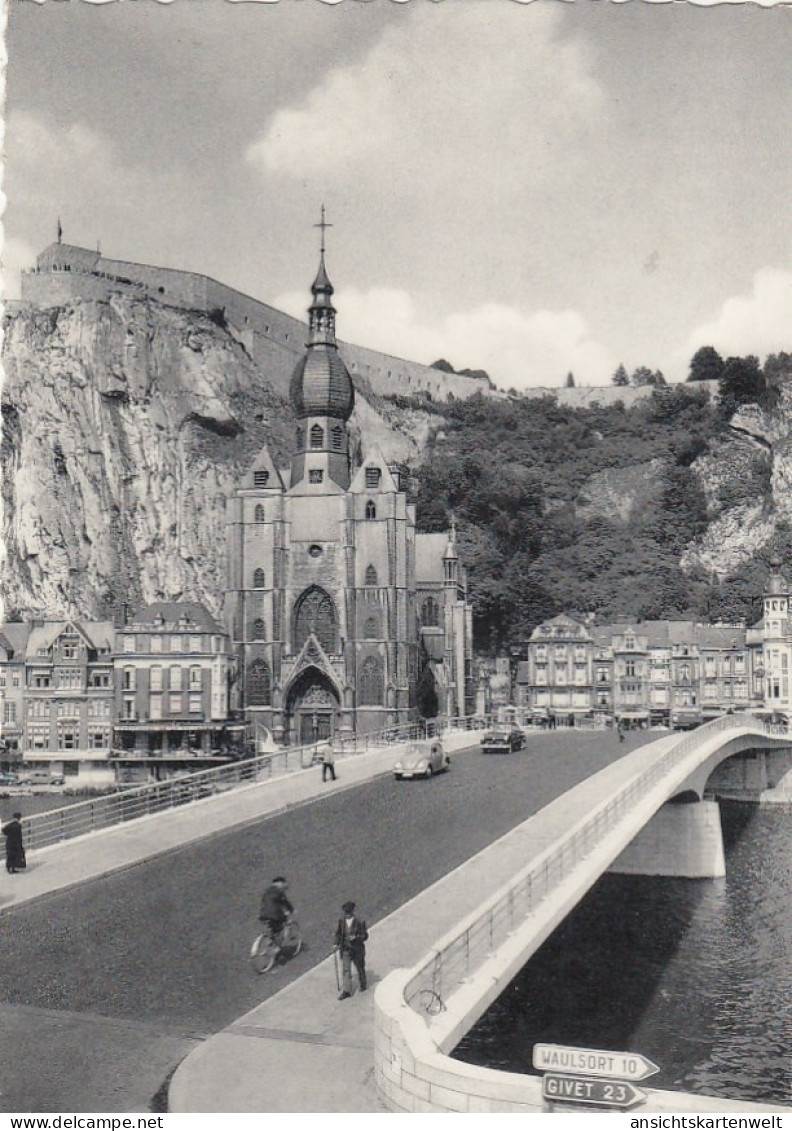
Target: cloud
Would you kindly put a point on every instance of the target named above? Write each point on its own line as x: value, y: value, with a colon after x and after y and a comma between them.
x: 17, y: 256
x: 77, y: 173
x: 460, y: 101
x: 516, y: 348
x: 758, y: 323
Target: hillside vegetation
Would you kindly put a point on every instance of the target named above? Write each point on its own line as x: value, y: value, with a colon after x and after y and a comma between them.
x: 589, y: 511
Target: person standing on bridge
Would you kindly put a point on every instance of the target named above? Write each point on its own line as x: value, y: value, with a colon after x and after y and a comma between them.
x: 350, y: 938
x: 15, y: 848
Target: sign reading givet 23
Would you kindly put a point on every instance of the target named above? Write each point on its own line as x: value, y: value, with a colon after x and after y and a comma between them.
x: 593, y: 1062
x: 590, y: 1090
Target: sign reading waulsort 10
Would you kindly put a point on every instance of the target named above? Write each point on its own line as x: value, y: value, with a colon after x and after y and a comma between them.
x: 593, y: 1062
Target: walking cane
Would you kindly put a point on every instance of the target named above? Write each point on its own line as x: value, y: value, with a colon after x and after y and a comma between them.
x: 335, y: 965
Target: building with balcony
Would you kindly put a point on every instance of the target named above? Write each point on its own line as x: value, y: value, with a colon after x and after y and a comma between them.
x: 655, y: 673
x: 172, y: 672
x: 68, y: 698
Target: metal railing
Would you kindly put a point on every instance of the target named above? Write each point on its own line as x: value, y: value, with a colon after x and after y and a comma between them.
x: 483, y: 932
x: 133, y: 802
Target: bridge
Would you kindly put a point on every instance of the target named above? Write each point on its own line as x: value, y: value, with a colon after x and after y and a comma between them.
x: 439, y: 960
x: 652, y: 812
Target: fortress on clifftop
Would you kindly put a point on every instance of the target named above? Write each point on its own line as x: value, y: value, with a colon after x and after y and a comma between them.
x: 274, y: 340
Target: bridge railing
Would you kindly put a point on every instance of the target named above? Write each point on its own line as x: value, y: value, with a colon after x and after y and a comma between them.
x: 131, y: 803
x: 456, y: 958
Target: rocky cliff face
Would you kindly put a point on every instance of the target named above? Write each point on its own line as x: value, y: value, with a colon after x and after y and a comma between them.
x: 126, y: 426
x: 747, y: 479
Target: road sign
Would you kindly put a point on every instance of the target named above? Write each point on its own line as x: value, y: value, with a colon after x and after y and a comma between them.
x: 561, y: 1088
x: 593, y: 1062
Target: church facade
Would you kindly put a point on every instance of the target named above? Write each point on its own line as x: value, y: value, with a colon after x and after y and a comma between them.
x: 344, y: 619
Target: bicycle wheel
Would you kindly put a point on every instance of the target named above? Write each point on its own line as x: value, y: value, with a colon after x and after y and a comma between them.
x: 291, y: 939
x: 263, y: 953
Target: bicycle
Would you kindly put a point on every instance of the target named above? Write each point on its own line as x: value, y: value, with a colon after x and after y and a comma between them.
x: 268, y: 947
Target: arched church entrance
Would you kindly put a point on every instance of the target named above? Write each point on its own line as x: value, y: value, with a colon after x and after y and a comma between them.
x: 312, y: 706
x: 428, y: 700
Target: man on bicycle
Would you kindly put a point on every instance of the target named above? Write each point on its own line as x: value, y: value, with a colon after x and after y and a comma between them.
x: 275, y: 907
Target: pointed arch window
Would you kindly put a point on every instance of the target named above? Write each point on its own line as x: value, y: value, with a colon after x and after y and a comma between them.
x: 317, y: 436
x: 258, y: 579
x: 371, y: 575
x: 337, y: 437
x: 258, y: 629
x: 430, y: 613
x: 315, y: 613
x: 258, y: 514
x: 259, y: 684
x: 371, y: 682
x: 371, y: 629
x: 371, y: 509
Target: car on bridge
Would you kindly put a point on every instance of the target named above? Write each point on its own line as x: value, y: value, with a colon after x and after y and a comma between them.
x: 422, y: 759
x: 502, y: 740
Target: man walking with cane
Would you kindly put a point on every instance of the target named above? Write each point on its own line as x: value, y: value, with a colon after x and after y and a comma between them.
x: 350, y: 938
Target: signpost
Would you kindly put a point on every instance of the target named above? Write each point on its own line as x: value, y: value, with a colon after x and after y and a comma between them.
x: 591, y: 1076
x: 590, y: 1090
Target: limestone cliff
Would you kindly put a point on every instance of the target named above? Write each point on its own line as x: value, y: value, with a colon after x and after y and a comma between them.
x: 126, y: 426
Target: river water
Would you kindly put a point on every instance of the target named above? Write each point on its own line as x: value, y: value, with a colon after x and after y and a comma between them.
x: 694, y: 974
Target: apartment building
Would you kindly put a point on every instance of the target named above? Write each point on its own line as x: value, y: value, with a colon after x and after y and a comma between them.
x: 173, y: 668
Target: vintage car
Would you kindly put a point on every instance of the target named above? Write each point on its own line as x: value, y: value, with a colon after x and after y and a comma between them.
x: 502, y: 740
x: 422, y: 759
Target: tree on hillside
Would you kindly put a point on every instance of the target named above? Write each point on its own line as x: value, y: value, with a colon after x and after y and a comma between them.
x: 742, y: 382
x: 777, y: 366
x: 443, y: 365
x: 644, y: 376
x: 570, y: 381
x: 620, y: 377
x: 706, y: 364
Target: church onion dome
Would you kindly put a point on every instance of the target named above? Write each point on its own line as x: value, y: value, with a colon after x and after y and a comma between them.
x: 321, y: 385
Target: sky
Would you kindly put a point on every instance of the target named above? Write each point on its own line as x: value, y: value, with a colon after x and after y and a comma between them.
x: 532, y: 189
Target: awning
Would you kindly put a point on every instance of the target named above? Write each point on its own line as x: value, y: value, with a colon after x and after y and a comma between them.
x: 175, y: 724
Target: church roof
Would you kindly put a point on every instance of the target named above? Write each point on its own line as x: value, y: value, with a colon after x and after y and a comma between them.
x: 188, y: 614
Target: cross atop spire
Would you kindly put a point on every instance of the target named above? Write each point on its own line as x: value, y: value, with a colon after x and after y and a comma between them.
x: 323, y: 225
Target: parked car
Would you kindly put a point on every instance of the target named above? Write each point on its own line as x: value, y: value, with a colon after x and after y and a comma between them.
x: 502, y: 740
x: 40, y: 777
x: 9, y: 779
x: 422, y: 759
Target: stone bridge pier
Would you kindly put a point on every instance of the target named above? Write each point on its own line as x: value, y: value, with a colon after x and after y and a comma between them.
x: 684, y: 838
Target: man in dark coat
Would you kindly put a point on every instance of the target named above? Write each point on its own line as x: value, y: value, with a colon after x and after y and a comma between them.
x: 15, y: 849
x: 275, y: 907
x: 350, y: 939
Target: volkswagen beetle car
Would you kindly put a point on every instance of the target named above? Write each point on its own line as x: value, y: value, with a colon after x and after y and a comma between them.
x: 502, y: 740
x: 422, y: 759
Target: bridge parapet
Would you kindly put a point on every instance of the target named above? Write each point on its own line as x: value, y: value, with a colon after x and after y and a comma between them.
x: 42, y: 830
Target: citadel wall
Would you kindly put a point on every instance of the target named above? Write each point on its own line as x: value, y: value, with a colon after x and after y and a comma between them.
x: 64, y: 273
x: 275, y: 341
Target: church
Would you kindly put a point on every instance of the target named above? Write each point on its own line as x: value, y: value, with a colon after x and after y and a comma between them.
x: 345, y: 621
